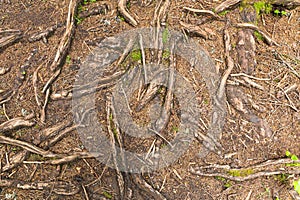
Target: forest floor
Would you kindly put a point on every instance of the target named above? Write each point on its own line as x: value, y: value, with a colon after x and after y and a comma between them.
x: 255, y: 61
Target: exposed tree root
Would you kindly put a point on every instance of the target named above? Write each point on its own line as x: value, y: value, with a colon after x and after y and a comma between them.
x: 18, y: 122
x: 64, y: 44
x: 226, y: 5
x: 106, y: 5
x: 146, y: 187
x: 43, y: 35
x: 58, y: 187
x: 279, y: 166
x: 268, y: 39
x: 205, y: 33
x: 120, y: 177
x: 123, y: 10
x: 9, y: 37
x: 203, y: 12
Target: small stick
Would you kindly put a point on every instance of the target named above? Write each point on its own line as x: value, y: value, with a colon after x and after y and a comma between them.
x: 162, y: 137
x: 35, y: 85
x: 4, y: 110
x: 43, y: 111
x: 85, y: 192
x: 279, y: 57
x: 143, y: 58
x: 249, y: 76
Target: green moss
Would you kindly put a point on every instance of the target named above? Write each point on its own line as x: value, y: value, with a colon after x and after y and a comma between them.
x: 36, y: 157
x: 294, y: 158
x: 68, y: 59
x: 165, y: 35
x: 223, y: 13
x: 297, y: 186
x: 262, y: 7
x: 107, y: 195
x: 240, y: 173
x: 258, y: 36
x: 283, y: 178
x: 227, y: 183
x: 166, y: 54
x: 136, y: 55
x: 78, y: 20
x: 175, y: 128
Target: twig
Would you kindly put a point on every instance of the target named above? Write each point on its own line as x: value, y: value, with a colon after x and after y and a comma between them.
x: 279, y: 57
x: 4, y: 110
x: 122, y: 9
x: 85, y: 192
x: 162, y: 137
x: 249, y: 76
x: 18, y: 158
x: 66, y: 95
x: 43, y: 111
x: 287, y: 90
x: 70, y: 158
x: 286, y: 3
x: 35, y: 85
x: 143, y: 58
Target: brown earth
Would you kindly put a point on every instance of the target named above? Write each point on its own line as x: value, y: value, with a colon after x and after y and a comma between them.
x: 243, y: 144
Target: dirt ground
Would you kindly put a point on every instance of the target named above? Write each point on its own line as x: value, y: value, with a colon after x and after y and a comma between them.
x: 271, y: 97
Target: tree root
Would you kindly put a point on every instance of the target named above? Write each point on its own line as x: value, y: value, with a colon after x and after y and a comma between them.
x: 122, y: 9
x: 10, y: 37
x: 226, y: 5
x: 64, y: 44
x: 249, y: 173
x: 43, y: 35
x: 58, y: 187
x: 205, y: 33
x: 268, y: 39
x: 18, y: 122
